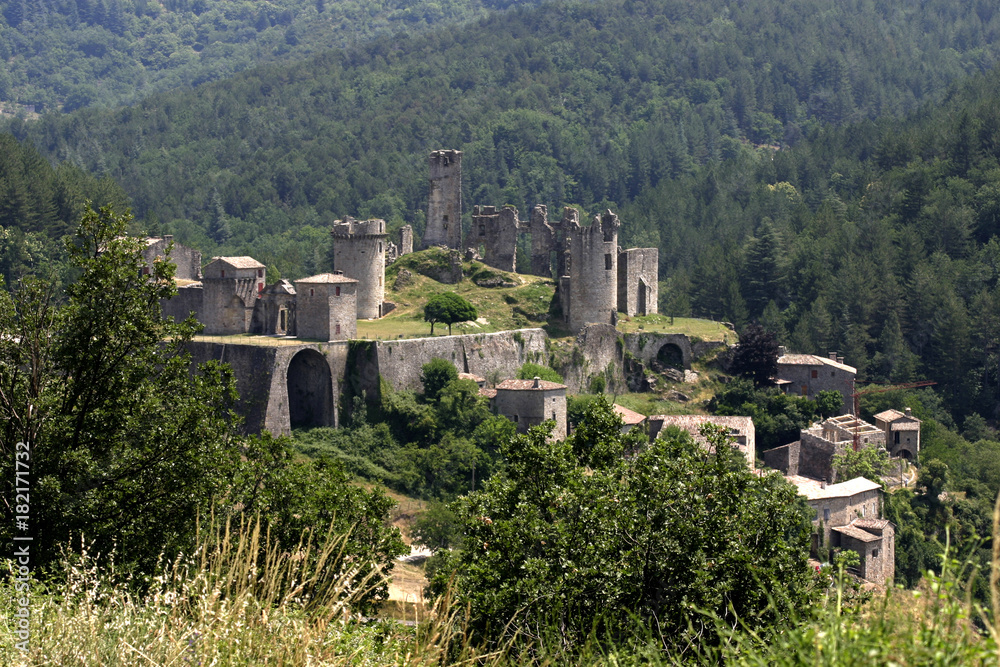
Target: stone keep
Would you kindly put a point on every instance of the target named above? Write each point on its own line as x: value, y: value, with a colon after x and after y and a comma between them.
x: 326, y: 307
x: 638, y: 270
x: 496, y: 230
x: 444, y: 203
x: 593, y: 273
x: 230, y: 286
x: 359, y: 253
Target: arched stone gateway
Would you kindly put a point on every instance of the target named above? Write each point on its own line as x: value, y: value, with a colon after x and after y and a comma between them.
x: 310, y: 390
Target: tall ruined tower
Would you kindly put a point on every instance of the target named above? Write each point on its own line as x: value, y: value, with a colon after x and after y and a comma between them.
x: 359, y: 252
x: 444, y: 203
x: 593, y: 273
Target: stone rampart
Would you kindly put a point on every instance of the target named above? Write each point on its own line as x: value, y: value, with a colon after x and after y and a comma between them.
x: 495, y: 356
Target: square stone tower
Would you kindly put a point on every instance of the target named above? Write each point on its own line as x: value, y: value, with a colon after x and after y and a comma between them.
x: 326, y: 307
x: 230, y: 289
x: 444, y: 203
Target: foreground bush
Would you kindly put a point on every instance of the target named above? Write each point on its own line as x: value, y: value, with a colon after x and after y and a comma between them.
x: 604, y: 536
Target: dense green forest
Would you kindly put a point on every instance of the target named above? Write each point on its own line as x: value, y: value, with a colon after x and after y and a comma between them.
x: 68, y: 54
x: 566, y: 103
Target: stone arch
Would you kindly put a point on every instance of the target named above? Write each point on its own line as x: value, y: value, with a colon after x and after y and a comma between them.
x: 670, y: 355
x: 310, y: 390
x: 648, y: 347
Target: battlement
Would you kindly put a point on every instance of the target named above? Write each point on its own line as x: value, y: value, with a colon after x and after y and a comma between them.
x: 351, y: 228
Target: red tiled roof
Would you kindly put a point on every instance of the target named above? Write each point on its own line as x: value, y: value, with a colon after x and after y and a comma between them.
x: 522, y: 385
x: 327, y: 278
x: 630, y: 417
x: 813, y: 360
x: 240, y: 262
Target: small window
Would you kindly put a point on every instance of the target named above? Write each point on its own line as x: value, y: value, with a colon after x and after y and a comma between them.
x: 832, y: 374
x: 337, y: 292
x: 875, y: 553
x: 223, y: 273
x: 815, y: 374
x: 338, y: 329
x: 515, y: 419
x: 312, y: 292
x: 260, y: 273
x: 145, y: 270
x: 826, y: 514
x: 482, y: 230
x: 380, y: 246
x: 553, y: 416
x: 607, y: 262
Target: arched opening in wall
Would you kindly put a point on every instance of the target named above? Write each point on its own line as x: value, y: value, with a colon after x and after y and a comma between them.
x: 905, y: 454
x: 310, y: 390
x: 670, y: 355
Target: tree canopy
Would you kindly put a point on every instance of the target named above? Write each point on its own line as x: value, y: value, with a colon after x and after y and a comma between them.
x: 448, y: 308
x: 575, y: 535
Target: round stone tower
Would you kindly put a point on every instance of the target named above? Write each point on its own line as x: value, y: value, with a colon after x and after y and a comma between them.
x: 593, y: 273
x: 359, y: 251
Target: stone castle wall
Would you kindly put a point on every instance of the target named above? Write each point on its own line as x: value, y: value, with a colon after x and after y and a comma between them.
x: 497, y: 231
x: 188, y: 260
x: 637, y: 281
x: 188, y: 300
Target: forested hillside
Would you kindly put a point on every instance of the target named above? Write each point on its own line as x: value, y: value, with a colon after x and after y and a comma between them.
x: 567, y: 103
x: 67, y: 54
x: 879, y: 240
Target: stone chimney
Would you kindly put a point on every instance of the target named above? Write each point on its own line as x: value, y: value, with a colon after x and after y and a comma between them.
x: 168, y: 238
x: 538, y: 382
x: 908, y: 411
x: 833, y: 356
x: 840, y: 359
x: 782, y: 351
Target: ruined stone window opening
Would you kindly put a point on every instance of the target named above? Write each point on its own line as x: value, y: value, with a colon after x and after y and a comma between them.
x: 607, y: 262
x: 282, y: 320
